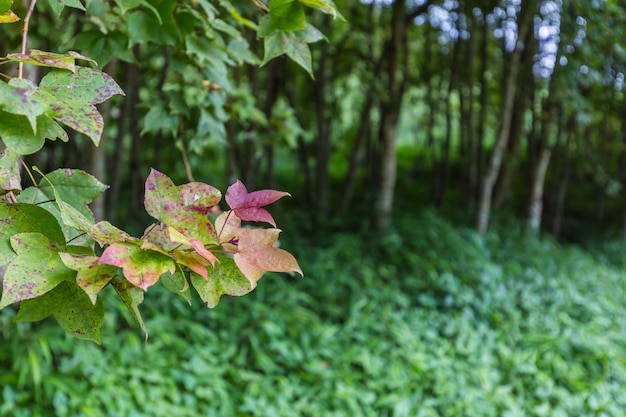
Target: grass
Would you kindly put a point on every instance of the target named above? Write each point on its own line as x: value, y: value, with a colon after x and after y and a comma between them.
x: 430, y: 320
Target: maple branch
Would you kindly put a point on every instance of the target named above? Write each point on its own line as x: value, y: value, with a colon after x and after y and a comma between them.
x: 20, y: 66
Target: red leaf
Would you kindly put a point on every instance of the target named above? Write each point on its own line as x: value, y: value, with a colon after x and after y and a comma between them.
x: 256, y: 254
x: 248, y: 205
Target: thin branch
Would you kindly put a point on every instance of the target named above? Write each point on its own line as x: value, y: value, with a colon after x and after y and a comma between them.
x: 20, y: 66
x: 30, y: 174
x: 183, y: 150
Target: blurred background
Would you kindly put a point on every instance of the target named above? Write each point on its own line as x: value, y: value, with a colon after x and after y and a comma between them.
x: 456, y: 170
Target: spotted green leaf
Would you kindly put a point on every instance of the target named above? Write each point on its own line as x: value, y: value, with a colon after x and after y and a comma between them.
x: 72, y: 309
x: 38, y: 258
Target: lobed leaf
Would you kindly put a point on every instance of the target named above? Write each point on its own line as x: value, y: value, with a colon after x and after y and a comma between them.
x: 92, y: 276
x: 26, y: 218
x: 58, y: 5
x: 10, y: 178
x: 73, y: 96
x: 35, y: 270
x: 183, y: 208
x: 71, y: 308
x: 19, y: 97
x: 225, y: 279
x: 247, y: 206
x: 256, y: 254
x: 17, y: 134
x: 177, y: 283
x: 75, y: 187
x: 49, y: 59
x: 141, y: 267
x: 131, y: 296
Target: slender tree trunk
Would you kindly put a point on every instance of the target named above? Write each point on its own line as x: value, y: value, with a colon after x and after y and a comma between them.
x: 323, y: 131
x: 535, y: 207
x: 363, y: 132
x: 476, y: 163
x: 390, y: 114
x: 495, y: 162
x: 564, y: 179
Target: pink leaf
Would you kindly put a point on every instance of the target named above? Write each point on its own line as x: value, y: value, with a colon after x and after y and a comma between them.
x: 248, y: 205
x: 256, y: 254
x: 141, y: 267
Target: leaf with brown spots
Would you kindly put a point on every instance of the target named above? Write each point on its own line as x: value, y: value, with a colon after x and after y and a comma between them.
x: 184, y: 208
x: 36, y: 269
x: 141, y: 267
x: 73, y: 96
x: 72, y: 309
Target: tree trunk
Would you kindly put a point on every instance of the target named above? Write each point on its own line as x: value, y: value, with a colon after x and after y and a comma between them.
x: 363, y: 132
x: 390, y: 114
x: 323, y: 131
x: 495, y: 162
x: 535, y: 206
x: 564, y: 179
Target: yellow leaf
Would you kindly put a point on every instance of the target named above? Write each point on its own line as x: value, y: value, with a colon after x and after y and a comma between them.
x: 8, y: 17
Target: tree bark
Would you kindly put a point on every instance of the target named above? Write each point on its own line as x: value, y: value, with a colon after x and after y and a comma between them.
x: 390, y: 115
x: 495, y: 162
x: 535, y: 207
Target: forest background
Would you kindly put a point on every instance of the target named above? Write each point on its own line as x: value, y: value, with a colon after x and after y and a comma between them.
x: 474, y: 110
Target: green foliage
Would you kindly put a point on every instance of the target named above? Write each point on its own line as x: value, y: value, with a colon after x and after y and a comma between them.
x: 48, y: 237
x: 507, y: 325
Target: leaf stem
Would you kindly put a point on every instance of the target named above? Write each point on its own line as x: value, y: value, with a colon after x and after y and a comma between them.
x: 76, y: 237
x: 30, y: 174
x: 20, y: 65
x: 184, y: 151
x: 224, y: 225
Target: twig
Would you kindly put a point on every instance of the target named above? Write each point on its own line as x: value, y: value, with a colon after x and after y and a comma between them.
x: 30, y: 174
x: 184, y: 152
x: 20, y: 66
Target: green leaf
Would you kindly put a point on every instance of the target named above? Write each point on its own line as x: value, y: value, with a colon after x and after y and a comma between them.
x: 92, y: 276
x: 144, y: 27
x: 36, y: 269
x: 286, y: 14
x: 101, y: 47
x: 58, y: 5
x: 132, y: 297
x: 5, y: 5
x: 16, y: 132
x: 75, y: 187
x: 291, y: 43
x: 141, y: 267
x: 225, y: 278
x: 105, y: 234
x: 72, y: 309
x: 75, y: 95
x: 184, y: 208
x: 239, y: 49
x: 48, y: 59
x: 325, y: 6
x: 26, y: 218
x: 177, y: 283
x: 10, y: 178
x: 18, y: 97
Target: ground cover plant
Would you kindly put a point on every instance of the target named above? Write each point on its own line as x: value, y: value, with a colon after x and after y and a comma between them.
x: 432, y: 320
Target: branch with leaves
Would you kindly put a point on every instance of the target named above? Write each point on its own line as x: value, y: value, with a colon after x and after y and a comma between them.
x: 48, y: 237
